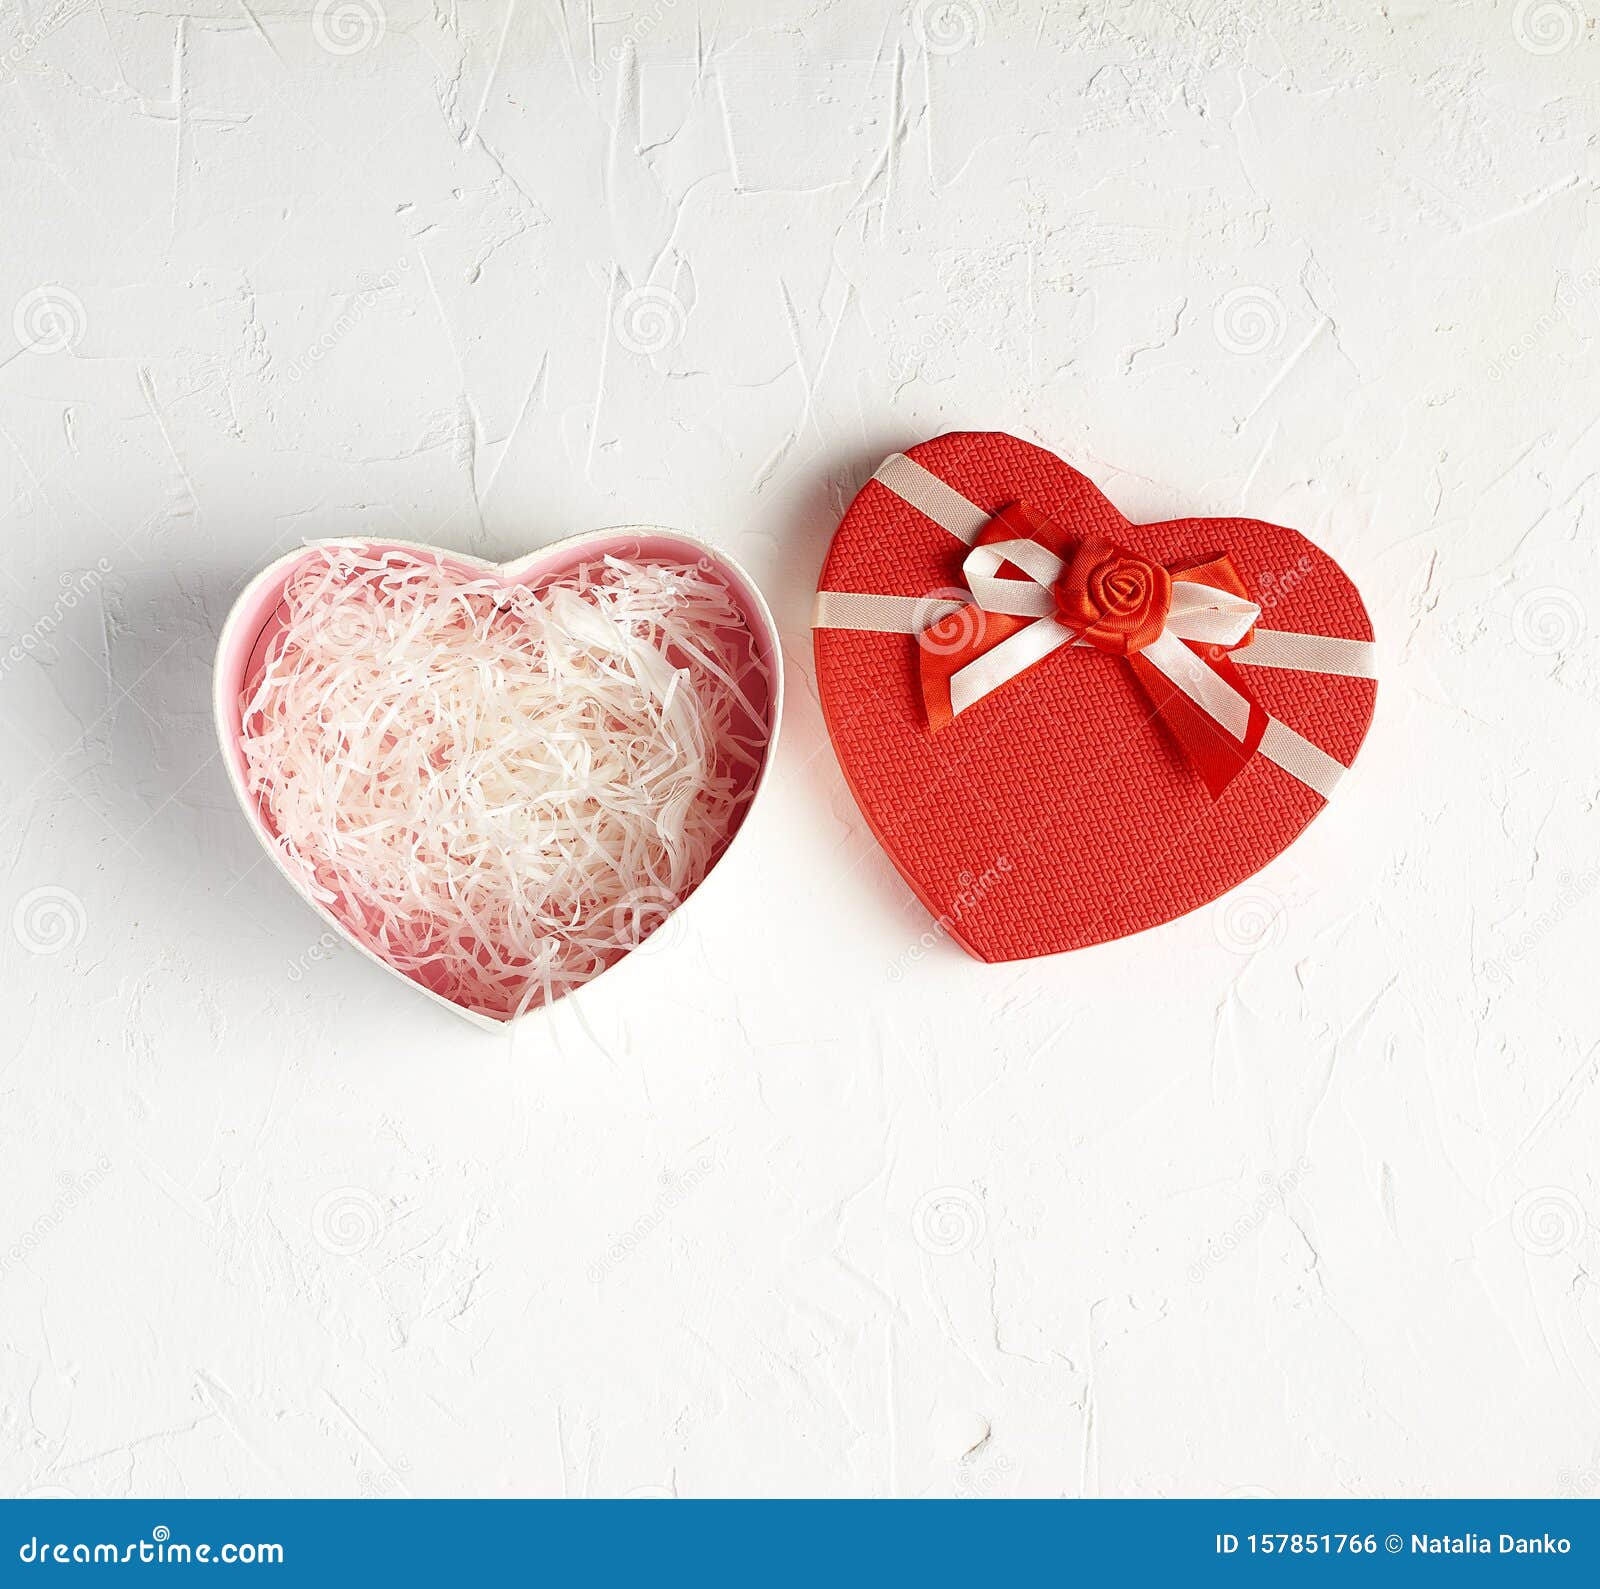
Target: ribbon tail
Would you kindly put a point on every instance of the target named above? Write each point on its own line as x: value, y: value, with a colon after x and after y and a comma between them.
x: 1216, y: 754
x: 946, y: 647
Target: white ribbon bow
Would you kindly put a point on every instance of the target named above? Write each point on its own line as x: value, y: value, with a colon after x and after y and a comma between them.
x: 1201, y: 613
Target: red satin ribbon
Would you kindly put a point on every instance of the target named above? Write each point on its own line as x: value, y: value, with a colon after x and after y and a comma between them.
x: 949, y: 645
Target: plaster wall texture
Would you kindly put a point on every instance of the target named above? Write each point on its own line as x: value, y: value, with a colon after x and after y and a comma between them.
x: 1297, y: 1194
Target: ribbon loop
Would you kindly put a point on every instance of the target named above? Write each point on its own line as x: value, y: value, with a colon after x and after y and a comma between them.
x: 1208, y: 615
x: 1031, y: 598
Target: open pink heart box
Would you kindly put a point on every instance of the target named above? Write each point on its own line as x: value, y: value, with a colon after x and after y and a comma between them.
x: 258, y: 614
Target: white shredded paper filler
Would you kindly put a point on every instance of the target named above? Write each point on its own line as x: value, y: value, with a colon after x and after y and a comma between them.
x: 500, y: 789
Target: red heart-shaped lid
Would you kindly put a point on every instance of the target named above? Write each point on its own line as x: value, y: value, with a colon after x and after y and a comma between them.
x: 1063, y: 807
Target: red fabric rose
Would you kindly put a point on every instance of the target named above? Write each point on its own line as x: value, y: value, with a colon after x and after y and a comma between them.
x: 1113, y: 598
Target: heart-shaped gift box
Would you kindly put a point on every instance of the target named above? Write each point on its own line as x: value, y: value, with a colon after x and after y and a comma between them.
x: 259, y: 613
x: 1064, y: 727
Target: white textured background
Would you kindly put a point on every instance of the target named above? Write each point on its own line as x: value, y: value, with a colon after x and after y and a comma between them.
x: 1297, y: 1194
